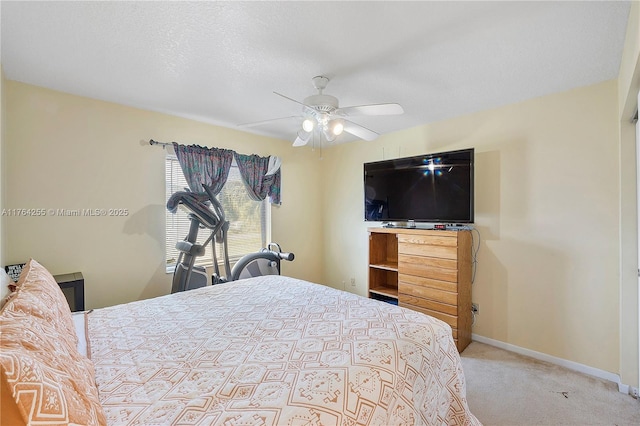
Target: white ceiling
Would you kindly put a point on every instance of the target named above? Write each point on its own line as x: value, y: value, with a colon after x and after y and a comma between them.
x: 220, y: 62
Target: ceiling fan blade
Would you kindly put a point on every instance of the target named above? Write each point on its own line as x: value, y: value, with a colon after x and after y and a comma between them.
x: 258, y: 123
x: 300, y: 142
x: 291, y: 99
x: 306, y: 108
x: 359, y: 131
x: 302, y: 138
x: 373, y: 109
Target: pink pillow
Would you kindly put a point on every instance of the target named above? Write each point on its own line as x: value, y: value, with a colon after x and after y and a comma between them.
x: 48, y: 380
x: 41, y: 296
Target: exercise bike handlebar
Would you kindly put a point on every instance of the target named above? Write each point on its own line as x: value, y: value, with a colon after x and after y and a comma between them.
x: 277, y: 252
x: 274, y: 249
x: 285, y: 256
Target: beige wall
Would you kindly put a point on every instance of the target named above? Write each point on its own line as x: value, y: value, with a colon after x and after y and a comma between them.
x: 546, y: 208
x: 628, y: 86
x: 68, y: 152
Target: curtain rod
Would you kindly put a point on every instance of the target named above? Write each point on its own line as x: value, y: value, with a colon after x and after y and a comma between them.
x: 163, y: 144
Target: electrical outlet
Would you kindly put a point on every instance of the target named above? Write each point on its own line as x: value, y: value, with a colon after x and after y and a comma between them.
x: 634, y: 392
x: 475, y: 308
x: 353, y: 282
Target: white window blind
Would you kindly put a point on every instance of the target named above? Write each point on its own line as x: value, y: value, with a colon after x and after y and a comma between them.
x: 248, y: 219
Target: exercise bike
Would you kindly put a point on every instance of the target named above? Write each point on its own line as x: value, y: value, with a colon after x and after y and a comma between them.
x: 206, y: 212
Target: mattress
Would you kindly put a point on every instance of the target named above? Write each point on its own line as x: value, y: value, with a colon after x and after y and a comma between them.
x: 274, y: 350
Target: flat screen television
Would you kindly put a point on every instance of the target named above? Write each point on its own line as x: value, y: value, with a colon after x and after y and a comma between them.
x: 435, y: 188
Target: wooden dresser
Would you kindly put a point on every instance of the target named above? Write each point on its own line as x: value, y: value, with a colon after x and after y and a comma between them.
x: 425, y: 270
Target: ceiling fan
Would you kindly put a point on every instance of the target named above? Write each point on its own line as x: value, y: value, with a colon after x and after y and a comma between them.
x: 323, y: 116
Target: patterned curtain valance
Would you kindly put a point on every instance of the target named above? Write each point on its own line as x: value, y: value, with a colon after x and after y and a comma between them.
x: 210, y: 166
x: 204, y: 166
x: 258, y: 179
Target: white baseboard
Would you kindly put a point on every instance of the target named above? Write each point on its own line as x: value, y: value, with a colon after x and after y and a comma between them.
x: 575, y: 366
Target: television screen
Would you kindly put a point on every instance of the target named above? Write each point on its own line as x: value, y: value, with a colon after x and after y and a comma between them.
x: 426, y: 188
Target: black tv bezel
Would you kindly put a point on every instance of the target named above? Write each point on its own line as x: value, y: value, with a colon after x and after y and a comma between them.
x: 471, y: 216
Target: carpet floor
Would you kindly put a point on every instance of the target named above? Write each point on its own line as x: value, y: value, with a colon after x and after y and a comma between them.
x: 505, y: 388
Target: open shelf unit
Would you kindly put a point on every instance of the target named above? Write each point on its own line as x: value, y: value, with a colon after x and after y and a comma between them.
x: 383, y: 266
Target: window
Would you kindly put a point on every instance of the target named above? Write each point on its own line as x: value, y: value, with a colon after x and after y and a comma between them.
x: 249, y: 222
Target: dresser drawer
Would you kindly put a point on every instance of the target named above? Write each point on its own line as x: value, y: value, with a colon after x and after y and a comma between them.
x: 437, y: 269
x: 439, y: 239
x: 428, y: 282
x: 431, y: 262
x: 452, y: 320
x: 434, y: 294
x: 444, y: 252
x: 412, y: 301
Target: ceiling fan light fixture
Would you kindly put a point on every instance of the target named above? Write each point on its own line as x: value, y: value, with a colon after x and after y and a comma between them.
x: 328, y: 134
x: 336, y: 126
x: 307, y: 125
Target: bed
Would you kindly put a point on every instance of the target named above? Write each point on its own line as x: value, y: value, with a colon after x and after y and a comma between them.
x: 268, y: 350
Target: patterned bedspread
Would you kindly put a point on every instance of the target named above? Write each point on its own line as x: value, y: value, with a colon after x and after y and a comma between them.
x: 274, y: 351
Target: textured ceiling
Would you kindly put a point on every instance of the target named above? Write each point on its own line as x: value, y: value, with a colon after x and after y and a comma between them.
x: 220, y: 62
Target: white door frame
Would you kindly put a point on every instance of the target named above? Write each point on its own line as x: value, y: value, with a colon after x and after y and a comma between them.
x: 638, y: 219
